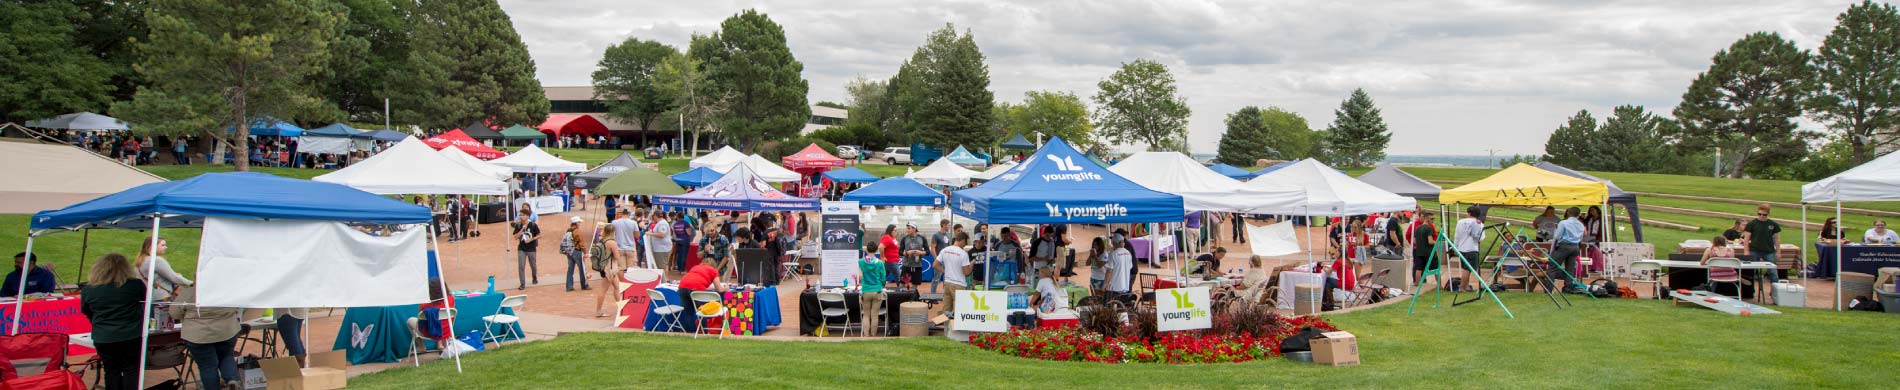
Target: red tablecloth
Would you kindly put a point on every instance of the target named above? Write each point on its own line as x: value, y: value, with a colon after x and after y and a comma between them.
x: 49, y: 316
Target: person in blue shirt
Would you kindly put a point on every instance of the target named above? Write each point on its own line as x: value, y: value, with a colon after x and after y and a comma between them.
x: 38, y: 280
x: 1569, y: 236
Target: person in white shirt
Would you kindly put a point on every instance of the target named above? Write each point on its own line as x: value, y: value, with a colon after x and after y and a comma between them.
x: 1049, y: 298
x: 1879, y: 235
x: 954, y: 264
x: 1468, y: 237
x: 1120, y: 266
x: 660, y: 240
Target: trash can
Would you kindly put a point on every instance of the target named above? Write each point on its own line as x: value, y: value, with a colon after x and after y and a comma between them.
x: 1889, y: 300
x: 913, y: 319
x: 1307, y: 299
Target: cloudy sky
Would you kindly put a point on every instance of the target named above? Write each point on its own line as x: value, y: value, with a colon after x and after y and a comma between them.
x: 1453, y: 77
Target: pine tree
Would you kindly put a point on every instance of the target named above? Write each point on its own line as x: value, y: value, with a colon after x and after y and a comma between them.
x: 749, y: 63
x: 1358, y: 135
x: 469, y: 65
x: 1746, y: 104
x: 1858, y: 71
x: 1571, y: 143
x: 368, y: 58
x: 1246, y: 139
x: 43, y: 70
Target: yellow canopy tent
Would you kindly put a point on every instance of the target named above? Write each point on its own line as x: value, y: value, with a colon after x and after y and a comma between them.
x: 1525, y: 185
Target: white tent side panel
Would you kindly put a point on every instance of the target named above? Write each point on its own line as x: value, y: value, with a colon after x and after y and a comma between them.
x: 293, y: 263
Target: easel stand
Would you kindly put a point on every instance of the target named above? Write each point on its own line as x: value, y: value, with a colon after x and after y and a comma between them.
x: 1432, y: 271
x: 1534, y: 274
x: 1530, y: 252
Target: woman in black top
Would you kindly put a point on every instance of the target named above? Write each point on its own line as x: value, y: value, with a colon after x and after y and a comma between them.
x: 1734, y: 232
x: 1831, y: 232
x: 113, y: 300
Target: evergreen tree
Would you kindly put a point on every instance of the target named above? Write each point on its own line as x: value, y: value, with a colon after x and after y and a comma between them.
x: 1746, y: 104
x: 1631, y: 140
x: 626, y: 81
x: 1246, y: 139
x: 945, y: 94
x: 1572, y: 142
x: 749, y: 63
x: 368, y: 58
x: 111, y: 34
x: 468, y: 65
x: 1858, y: 71
x: 216, y: 65
x: 1358, y: 135
x: 1138, y: 105
x: 43, y: 70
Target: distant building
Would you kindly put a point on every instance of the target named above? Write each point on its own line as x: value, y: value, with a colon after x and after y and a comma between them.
x: 823, y: 117
x: 580, y: 100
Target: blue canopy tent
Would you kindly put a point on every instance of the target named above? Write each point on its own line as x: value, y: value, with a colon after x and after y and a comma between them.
x: 696, y: 177
x: 896, y: 191
x: 740, y: 189
x: 248, y: 195
x: 384, y: 135
x: 1230, y: 171
x: 962, y: 156
x: 333, y: 130
x: 268, y: 126
x: 1016, y: 141
x: 850, y: 175
x: 1059, y: 178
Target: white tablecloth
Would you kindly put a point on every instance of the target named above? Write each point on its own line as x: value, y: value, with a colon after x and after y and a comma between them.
x: 1289, y: 279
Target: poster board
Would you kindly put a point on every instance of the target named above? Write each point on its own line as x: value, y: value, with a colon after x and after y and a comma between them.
x: 839, y: 244
x: 981, y: 311
x: 1182, y: 309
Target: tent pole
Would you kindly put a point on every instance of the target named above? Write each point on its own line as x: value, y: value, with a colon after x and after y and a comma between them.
x: 151, y: 272
x: 1838, y: 252
x: 85, y: 240
x: 19, y: 303
x: 1804, y: 248
x: 442, y: 273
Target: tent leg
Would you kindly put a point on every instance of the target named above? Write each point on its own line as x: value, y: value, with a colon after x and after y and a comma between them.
x: 19, y: 304
x: 85, y: 240
x: 1804, y: 248
x: 145, y: 321
x: 444, y: 287
x: 1838, y: 252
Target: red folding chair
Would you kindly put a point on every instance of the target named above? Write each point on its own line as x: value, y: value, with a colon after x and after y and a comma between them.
x: 37, y: 361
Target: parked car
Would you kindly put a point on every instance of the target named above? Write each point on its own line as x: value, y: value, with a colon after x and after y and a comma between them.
x: 849, y: 152
x: 893, y: 155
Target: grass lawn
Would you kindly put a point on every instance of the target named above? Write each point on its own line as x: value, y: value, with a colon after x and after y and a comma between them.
x: 1595, y: 344
x: 1755, y: 189
x: 62, y: 249
x: 181, y: 172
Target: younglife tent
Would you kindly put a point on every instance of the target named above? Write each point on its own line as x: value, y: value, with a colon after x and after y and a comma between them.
x: 1617, y: 196
x: 410, y: 167
x: 896, y: 191
x: 850, y: 175
x: 45, y: 176
x: 741, y: 190
x: 1057, y: 185
x: 1230, y: 171
x: 607, y: 170
x: 1202, y: 189
x: 1525, y: 185
x: 639, y: 181
x: 994, y: 171
x: 461, y: 141
x: 1390, y: 178
x: 697, y: 177
x: 532, y: 160
x: 812, y: 157
x: 388, y: 135
x: 943, y: 173
x: 963, y: 156
x: 722, y: 158
x: 1329, y: 192
x: 80, y: 121
x: 1016, y: 141
x: 476, y: 164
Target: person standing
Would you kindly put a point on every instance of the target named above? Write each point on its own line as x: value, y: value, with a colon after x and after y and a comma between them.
x: 571, y: 247
x: 954, y: 264
x: 112, y: 301
x: 290, y: 329
x: 210, y: 335
x: 1120, y: 270
x: 682, y: 240
x: 914, y: 247
x: 167, y: 280
x: 626, y: 235
x: 659, y: 239
x: 178, y: 152
x: 871, y: 285
x: 892, y: 255
x: 1569, y: 241
x: 1764, y: 238
x: 1467, y: 239
x: 528, y: 235
x: 1424, y: 246
x: 1240, y: 228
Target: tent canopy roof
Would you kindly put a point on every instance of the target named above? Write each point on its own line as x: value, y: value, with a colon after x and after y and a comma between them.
x: 338, y: 130
x: 268, y: 126
x: 1390, y: 178
x: 1330, y: 192
x: 249, y: 195
x: 1016, y: 141
x: 1202, y: 189
x: 532, y: 159
x: 1230, y: 171
x: 943, y: 172
x: 995, y: 171
x: 1877, y: 180
x: 521, y: 132
x: 964, y: 157
x: 1057, y: 185
x: 850, y: 175
x: 724, y: 157
x: 479, y: 130
x: 639, y: 181
x: 1525, y: 185
x: 476, y: 164
x: 565, y: 124
x: 739, y: 189
x: 896, y: 191
x: 410, y: 167
x: 697, y: 177
x: 812, y: 157
x: 460, y: 140
x: 80, y: 121
x: 611, y: 168
x: 50, y: 175
x: 1617, y: 194
x: 384, y: 135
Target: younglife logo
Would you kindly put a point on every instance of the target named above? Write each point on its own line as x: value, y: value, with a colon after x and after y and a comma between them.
x: 1183, y: 306
x: 982, y: 314
x: 1098, y: 212
x: 1067, y: 164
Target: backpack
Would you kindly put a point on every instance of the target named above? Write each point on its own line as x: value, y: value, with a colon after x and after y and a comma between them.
x: 1298, y: 342
x: 597, y: 255
x: 1604, y: 288
x: 1862, y: 303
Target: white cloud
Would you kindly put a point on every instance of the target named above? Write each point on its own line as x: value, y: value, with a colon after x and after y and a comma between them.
x: 1453, y: 77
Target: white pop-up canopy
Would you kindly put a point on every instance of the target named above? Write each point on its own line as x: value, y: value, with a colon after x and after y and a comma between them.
x: 943, y: 172
x: 765, y: 169
x: 411, y: 167
x: 461, y: 157
x: 719, y: 160
x: 532, y: 159
x: 1202, y: 189
x: 994, y: 171
x: 1329, y: 192
x: 1877, y: 180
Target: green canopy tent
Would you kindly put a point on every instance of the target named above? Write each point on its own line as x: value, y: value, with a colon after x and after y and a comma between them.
x: 519, y: 132
x: 639, y: 181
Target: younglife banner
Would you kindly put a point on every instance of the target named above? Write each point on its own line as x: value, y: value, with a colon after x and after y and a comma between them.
x: 1182, y: 309
x: 982, y: 311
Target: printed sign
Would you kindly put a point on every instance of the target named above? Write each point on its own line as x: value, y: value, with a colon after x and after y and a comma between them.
x: 544, y: 205
x: 982, y: 311
x: 841, y: 241
x: 1182, y: 309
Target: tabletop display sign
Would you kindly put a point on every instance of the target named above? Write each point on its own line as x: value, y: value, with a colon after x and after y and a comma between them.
x: 840, y: 243
x: 1182, y: 309
x: 982, y: 311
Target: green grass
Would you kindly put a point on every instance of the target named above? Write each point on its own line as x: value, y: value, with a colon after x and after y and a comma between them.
x: 1751, y: 189
x: 181, y: 172
x: 1594, y: 344
x: 62, y: 249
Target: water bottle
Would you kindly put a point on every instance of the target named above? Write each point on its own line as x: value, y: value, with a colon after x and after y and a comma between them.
x: 491, y: 284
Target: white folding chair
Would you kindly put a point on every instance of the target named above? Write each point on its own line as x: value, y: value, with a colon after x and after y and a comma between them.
x: 669, y: 312
x: 417, y: 340
x: 507, y: 321
x: 842, y: 312
x: 1735, y: 278
x: 789, y: 269
x: 718, y: 314
x: 1653, y: 276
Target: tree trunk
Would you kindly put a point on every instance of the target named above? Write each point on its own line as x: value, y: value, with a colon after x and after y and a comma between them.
x: 243, y: 135
x: 1741, y: 161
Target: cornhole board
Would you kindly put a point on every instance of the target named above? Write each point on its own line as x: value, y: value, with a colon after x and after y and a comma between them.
x: 1722, y: 303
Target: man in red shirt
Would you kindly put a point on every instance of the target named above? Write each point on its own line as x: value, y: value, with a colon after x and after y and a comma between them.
x: 891, y: 258
x: 701, y: 278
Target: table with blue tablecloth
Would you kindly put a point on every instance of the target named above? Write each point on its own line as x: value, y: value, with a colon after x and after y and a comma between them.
x: 763, y: 303
x: 1866, y: 259
x: 381, y: 334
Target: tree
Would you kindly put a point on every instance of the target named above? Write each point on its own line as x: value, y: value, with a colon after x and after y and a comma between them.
x: 1289, y: 135
x: 625, y: 81
x: 1515, y: 159
x: 1138, y: 104
x: 1571, y: 143
x: 831, y: 104
x: 749, y: 63
x: 1358, y: 135
x: 1858, y: 73
x: 368, y: 58
x: 1631, y: 140
x: 1246, y: 139
x: 679, y: 76
x: 111, y: 34
x: 43, y: 70
x: 946, y: 96
x: 215, y: 65
x: 1746, y: 103
x: 1053, y: 114
x: 468, y: 65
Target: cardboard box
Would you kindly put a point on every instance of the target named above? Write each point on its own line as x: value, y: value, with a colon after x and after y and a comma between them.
x: 328, y: 370
x: 1336, y: 349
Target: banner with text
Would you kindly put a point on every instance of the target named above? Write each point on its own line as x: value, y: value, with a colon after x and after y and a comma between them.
x: 982, y: 311
x: 1182, y: 309
x: 840, y: 242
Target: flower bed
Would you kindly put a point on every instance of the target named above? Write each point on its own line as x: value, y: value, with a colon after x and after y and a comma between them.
x: 1231, y: 340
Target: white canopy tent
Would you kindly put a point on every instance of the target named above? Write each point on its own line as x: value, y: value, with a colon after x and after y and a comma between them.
x: 765, y: 169
x: 1203, y: 189
x: 49, y: 176
x: 994, y: 171
x: 719, y: 160
x: 411, y: 167
x: 80, y: 121
x: 1331, y: 193
x: 1875, y: 181
x: 476, y: 164
x: 943, y: 172
x: 532, y: 159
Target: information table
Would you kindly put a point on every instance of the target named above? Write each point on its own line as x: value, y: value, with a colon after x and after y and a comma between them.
x: 810, y: 316
x: 55, y: 315
x: 381, y: 334
x: 1866, y: 259
x: 750, y: 312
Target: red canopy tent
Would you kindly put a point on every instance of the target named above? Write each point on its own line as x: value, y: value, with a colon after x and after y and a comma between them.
x: 460, y: 140
x: 811, y: 162
x: 566, y: 124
